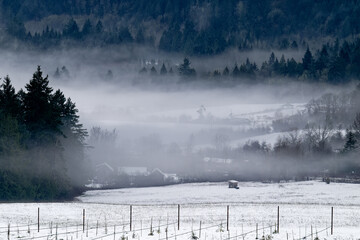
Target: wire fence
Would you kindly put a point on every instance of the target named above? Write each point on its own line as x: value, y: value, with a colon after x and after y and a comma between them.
x: 311, y: 235
x: 94, y: 229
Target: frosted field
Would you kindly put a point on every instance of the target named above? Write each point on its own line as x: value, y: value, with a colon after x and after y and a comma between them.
x: 302, y: 205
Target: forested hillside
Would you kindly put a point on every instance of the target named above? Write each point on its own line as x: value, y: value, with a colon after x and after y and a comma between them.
x: 41, y: 143
x: 193, y: 27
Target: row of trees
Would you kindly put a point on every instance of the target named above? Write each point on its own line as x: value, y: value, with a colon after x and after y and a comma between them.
x: 41, y: 142
x: 93, y: 33
x: 333, y: 64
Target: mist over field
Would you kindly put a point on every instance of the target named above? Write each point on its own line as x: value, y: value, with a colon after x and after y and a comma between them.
x: 118, y: 94
x: 137, y: 120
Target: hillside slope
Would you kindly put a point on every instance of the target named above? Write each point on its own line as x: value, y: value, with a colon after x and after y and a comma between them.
x: 194, y: 27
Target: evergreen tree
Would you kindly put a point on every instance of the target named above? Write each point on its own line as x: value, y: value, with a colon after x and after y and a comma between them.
x: 185, y: 70
x: 40, y: 118
x: 57, y: 73
x: 323, y: 60
x: 272, y: 59
x: 226, y: 71
x: 99, y: 27
x: 308, y: 60
x: 143, y: 70
x: 216, y: 74
x: 236, y: 71
x: 87, y: 28
x: 294, y: 45
x: 71, y: 29
x: 292, y: 68
x: 153, y: 71
x: 351, y: 143
x: 163, y: 70
x: 9, y: 101
x: 276, y: 66
x: 282, y: 66
x: 65, y: 72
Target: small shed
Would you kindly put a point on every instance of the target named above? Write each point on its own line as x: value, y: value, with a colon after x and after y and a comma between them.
x: 233, y: 184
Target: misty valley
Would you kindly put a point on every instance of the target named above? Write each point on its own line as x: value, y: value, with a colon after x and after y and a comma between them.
x: 164, y: 119
x: 136, y: 129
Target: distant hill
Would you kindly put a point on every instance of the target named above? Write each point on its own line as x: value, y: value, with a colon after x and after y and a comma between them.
x: 201, y: 27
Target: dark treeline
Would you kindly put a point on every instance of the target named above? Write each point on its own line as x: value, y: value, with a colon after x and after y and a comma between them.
x: 92, y: 34
x: 334, y: 63
x: 41, y: 143
x: 193, y: 27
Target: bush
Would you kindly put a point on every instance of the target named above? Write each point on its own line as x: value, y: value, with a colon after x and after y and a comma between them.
x: 16, y: 186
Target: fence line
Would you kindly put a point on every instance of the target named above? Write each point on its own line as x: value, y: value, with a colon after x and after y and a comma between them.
x: 80, y: 227
x: 66, y: 226
x: 34, y: 224
x: 180, y: 234
x: 67, y: 232
x: 63, y: 233
x: 317, y: 232
x: 135, y: 230
x: 252, y: 231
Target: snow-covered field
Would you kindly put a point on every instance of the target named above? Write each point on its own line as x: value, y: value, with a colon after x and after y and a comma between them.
x: 303, y: 205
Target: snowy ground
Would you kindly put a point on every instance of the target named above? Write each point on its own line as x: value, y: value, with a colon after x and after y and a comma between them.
x: 303, y: 205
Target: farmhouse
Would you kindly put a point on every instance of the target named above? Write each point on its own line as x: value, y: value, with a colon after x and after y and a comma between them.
x: 133, y: 171
x: 142, y: 177
x: 104, y: 173
x: 158, y: 177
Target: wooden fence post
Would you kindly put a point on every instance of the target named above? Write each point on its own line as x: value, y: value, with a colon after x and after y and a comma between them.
x: 332, y: 220
x: 227, y: 218
x: 178, y: 216
x: 256, y: 231
x: 278, y: 220
x: 38, y: 219
x: 200, y: 230
x: 115, y: 231
x: 83, y: 220
x: 130, y: 217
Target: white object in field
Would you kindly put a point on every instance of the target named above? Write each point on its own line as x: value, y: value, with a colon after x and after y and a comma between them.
x: 233, y: 184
